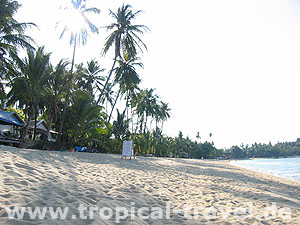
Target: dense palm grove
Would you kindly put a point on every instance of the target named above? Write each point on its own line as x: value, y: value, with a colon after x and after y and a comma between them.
x: 80, y: 101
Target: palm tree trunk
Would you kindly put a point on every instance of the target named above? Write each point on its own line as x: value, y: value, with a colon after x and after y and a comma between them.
x: 25, y: 131
x: 106, y: 82
x: 127, y: 112
x: 141, y: 123
x: 67, y: 98
x: 145, y: 124
x: 137, y: 123
x: 2, y: 95
x: 106, y: 109
x: 131, y: 112
x: 151, y: 121
x: 48, y: 131
x: 112, y: 109
x: 35, y: 122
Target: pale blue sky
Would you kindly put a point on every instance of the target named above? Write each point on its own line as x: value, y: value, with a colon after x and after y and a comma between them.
x: 226, y: 67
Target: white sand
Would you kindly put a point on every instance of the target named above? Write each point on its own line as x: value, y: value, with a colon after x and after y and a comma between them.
x: 30, y: 178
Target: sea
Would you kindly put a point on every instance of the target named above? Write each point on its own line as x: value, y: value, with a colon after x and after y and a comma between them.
x: 288, y: 168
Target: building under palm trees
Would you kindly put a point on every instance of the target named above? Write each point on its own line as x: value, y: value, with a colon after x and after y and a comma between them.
x: 10, y: 127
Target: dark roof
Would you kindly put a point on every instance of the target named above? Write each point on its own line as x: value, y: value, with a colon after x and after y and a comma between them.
x: 7, y: 118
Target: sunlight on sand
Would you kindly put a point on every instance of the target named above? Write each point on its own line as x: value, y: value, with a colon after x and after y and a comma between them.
x: 30, y: 178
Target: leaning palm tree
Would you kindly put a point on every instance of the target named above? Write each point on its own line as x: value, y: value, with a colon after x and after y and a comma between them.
x: 78, y: 25
x: 124, y: 37
x: 11, y: 32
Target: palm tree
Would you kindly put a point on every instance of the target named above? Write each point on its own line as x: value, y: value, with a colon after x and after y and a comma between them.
x: 53, y: 92
x: 11, y: 32
x: 163, y: 113
x: 26, y: 87
x: 89, y: 78
x: 120, y: 126
x: 128, y: 80
x: 198, y: 136
x: 83, y: 118
x: 124, y: 37
x: 108, y: 96
x: 146, y: 106
x: 78, y: 35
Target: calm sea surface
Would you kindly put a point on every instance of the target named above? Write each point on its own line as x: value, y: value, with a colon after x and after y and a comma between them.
x: 287, y: 168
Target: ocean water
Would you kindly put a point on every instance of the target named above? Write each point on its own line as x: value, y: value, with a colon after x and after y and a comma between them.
x: 286, y: 167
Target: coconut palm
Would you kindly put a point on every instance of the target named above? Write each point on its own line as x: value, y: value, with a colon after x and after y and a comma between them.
x: 11, y: 32
x: 128, y: 80
x: 108, y: 96
x: 124, y: 37
x: 120, y: 125
x: 146, y: 106
x: 83, y: 118
x: 26, y: 87
x: 53, y: 92
x: 78, y: 24
x: 164, y: 113
x: 89, y: 78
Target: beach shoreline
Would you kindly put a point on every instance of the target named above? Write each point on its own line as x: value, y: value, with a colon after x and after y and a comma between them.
x: 218, y: 190
x: 266, y: 166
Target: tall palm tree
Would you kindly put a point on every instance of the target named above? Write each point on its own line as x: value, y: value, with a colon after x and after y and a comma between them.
x: 124, y: 37
x: 78, y: 35
x: 11, y: 32
x: 128, y: 80
x: 109, y: 95
x: 26, y: 88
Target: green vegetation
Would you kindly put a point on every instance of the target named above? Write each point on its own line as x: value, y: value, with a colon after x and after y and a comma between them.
x: 80, y: 101
x: 285, y: 149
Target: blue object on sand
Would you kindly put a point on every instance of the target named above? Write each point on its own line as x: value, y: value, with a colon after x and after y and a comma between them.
x: 83, y: 149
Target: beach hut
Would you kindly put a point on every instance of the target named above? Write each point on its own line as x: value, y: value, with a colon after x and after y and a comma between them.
x: 9, y: 122
x: 41, y: 130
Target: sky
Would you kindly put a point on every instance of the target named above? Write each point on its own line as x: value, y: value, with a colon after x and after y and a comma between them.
x: 230, y: 68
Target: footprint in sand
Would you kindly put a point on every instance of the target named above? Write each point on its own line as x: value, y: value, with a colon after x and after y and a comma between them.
x: 23, y: 182
x: 62, y: 194
x: 68, y: 200
x: 7, y: 167
x: 24, y: 166
x: 91, y: 201
x: 6, y: 196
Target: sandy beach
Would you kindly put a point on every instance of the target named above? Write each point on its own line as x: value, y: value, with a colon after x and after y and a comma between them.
x: 187, y: 191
